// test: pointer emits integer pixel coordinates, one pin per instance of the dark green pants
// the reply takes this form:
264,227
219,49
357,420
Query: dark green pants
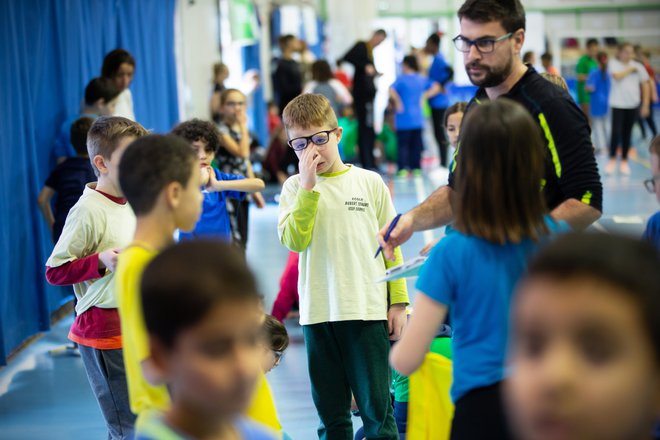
344,356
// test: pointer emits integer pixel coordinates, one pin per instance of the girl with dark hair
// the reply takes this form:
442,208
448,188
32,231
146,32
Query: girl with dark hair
119,66
500,219
324,83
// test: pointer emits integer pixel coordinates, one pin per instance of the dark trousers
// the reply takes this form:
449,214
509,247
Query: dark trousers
649,121
480,414
623,120
344,356
438,118
364,111
106,374
238,220
410,146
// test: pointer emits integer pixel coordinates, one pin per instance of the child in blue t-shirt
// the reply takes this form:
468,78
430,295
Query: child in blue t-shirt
598,86
652,231
204,138
500,219
408,92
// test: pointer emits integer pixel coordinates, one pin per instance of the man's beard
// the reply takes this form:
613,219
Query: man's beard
493,76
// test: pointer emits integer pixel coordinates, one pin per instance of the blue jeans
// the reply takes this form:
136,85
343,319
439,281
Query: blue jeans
106,375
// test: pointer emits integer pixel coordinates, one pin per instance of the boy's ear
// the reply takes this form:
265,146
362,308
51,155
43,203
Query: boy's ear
339,132
155,368
99,163
99,103
173,194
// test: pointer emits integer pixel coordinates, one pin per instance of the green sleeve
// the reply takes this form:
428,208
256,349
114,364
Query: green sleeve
297,215
398,289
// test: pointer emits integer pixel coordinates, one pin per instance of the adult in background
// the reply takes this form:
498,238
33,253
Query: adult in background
492,35
441,73
364,91
119,66
288,77
220,75
586,64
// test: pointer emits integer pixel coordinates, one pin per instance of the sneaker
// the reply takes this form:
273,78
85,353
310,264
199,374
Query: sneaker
417,172
610,167
624,168
402,173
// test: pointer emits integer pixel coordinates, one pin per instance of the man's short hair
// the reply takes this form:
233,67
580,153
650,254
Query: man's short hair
284,40
208,273
150,164
100,88
510,13
309,110
106,133
78,134
199,130
547,56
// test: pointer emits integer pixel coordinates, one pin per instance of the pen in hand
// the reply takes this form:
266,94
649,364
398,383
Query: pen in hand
387,234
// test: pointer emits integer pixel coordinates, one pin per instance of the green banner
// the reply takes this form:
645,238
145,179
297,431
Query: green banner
243,21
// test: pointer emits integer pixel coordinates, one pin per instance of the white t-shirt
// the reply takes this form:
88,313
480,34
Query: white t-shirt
625,93
337,270
94,224
124,105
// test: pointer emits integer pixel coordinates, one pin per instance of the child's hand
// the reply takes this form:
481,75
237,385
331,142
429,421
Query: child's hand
108,259
309,159
206,176
396,321
259,200
242,119
427,249
213,184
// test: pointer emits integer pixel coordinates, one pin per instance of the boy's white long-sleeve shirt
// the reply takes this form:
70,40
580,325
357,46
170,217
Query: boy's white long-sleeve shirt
334,228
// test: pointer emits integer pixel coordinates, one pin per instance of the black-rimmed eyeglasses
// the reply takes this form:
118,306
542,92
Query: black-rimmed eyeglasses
483,45
320,138
649,184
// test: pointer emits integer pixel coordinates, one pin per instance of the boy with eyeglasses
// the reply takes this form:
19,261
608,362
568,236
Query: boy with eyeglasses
652,232
330,214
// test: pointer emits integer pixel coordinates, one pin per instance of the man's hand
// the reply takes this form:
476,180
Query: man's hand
396,321
399,235
108,259
309,159
644,111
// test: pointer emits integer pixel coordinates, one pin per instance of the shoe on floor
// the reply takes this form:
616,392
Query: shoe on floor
417,172
624,168
610,167
402,173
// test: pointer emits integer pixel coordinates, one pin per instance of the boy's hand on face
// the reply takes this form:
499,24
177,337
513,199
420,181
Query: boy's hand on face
309,159
396,321
108,259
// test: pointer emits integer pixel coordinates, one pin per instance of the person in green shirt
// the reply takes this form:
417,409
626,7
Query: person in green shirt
586,64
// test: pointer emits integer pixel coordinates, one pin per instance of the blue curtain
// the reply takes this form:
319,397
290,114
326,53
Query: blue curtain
49,50
258,108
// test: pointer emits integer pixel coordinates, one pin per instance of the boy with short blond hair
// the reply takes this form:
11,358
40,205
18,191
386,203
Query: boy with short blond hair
98,226
330,213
